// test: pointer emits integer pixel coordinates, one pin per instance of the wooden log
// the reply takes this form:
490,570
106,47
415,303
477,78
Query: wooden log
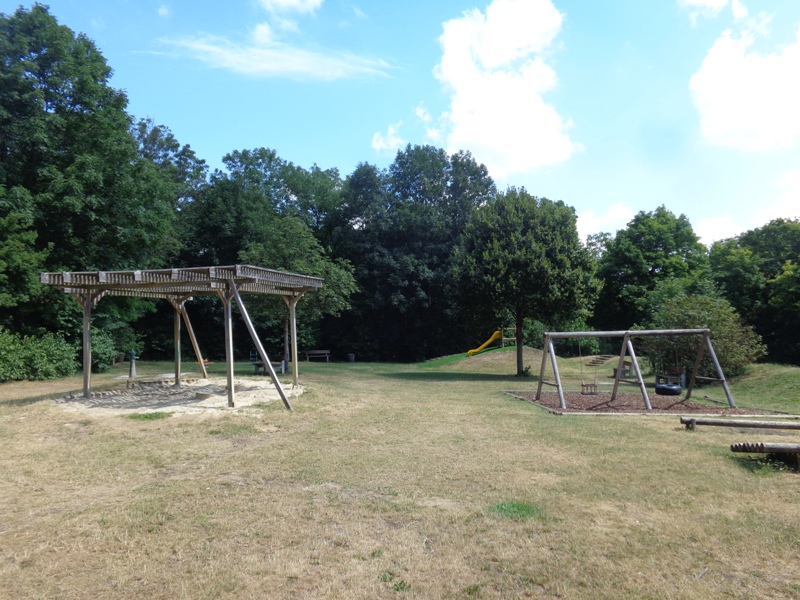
766,447
692,422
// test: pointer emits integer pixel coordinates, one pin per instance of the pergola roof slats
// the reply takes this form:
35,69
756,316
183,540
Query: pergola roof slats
158,283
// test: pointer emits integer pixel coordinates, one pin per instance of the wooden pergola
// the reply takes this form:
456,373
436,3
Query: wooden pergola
178,286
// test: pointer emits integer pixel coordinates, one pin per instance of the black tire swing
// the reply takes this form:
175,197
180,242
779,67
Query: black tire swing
669,388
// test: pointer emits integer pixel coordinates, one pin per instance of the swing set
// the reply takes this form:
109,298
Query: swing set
628,365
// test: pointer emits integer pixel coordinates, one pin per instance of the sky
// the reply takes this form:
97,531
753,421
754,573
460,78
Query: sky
614,107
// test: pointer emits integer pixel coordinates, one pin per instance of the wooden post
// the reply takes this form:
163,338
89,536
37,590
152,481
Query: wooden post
552,352
697,361
261,352
635,365
87,349
620,366
541,369
195,345
291,303
720,374
176,334
87,300
179,304
227,297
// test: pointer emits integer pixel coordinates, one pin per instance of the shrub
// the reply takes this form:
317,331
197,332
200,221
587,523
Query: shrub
104,351
49,357
45,357
735,344
11,362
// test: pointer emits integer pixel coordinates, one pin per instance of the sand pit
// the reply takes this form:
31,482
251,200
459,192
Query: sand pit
192,396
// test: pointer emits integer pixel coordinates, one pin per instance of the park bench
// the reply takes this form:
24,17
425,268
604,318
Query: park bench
258,364
693,422
626,371
326,354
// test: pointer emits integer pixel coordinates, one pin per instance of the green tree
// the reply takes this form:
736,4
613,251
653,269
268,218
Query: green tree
178,164
20,261
315,194
76,194
735,344
290,245
400,227
755,272
654,247
522,254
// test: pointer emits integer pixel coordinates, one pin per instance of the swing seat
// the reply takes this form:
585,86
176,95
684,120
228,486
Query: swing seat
668,389
589,389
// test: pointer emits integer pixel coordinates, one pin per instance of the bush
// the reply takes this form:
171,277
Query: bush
534,337
11,363
104,351
735,344
34,358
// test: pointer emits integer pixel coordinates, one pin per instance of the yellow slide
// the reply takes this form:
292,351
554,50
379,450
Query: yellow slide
497,335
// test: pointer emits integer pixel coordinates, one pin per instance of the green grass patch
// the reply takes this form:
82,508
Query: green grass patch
232,428
151,416
518,511
442,361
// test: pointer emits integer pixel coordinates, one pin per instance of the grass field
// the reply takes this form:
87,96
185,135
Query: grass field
393,481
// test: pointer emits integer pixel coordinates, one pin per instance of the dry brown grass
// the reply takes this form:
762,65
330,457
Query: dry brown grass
380,485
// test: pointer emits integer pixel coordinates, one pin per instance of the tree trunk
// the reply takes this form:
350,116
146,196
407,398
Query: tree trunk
520,342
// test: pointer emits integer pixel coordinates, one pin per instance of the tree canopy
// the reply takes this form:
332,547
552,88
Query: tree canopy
654,247
522,255
420,259
757,273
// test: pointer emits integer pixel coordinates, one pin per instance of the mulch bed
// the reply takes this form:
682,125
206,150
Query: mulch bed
631,403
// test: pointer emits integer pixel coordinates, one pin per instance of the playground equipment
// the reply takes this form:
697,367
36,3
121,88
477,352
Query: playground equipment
178,286
497,335
502,335
587,389
628,351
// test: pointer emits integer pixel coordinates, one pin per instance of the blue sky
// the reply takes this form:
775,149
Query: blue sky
613,107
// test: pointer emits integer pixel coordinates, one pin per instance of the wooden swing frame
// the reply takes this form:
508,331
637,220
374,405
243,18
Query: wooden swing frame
627,351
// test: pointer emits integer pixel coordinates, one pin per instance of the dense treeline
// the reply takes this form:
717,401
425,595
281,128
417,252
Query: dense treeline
421,259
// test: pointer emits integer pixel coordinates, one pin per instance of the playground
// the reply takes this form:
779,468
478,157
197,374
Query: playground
391,481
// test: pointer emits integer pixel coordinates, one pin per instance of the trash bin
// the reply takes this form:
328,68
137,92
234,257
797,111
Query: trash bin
351,358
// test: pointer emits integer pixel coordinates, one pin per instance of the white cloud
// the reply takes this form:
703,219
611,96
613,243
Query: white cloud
493,69
739,10
748,100
713,229
705,8
266,58
262,35
299,6
390,142
422,113
711,7
163,11
616,217
788,205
